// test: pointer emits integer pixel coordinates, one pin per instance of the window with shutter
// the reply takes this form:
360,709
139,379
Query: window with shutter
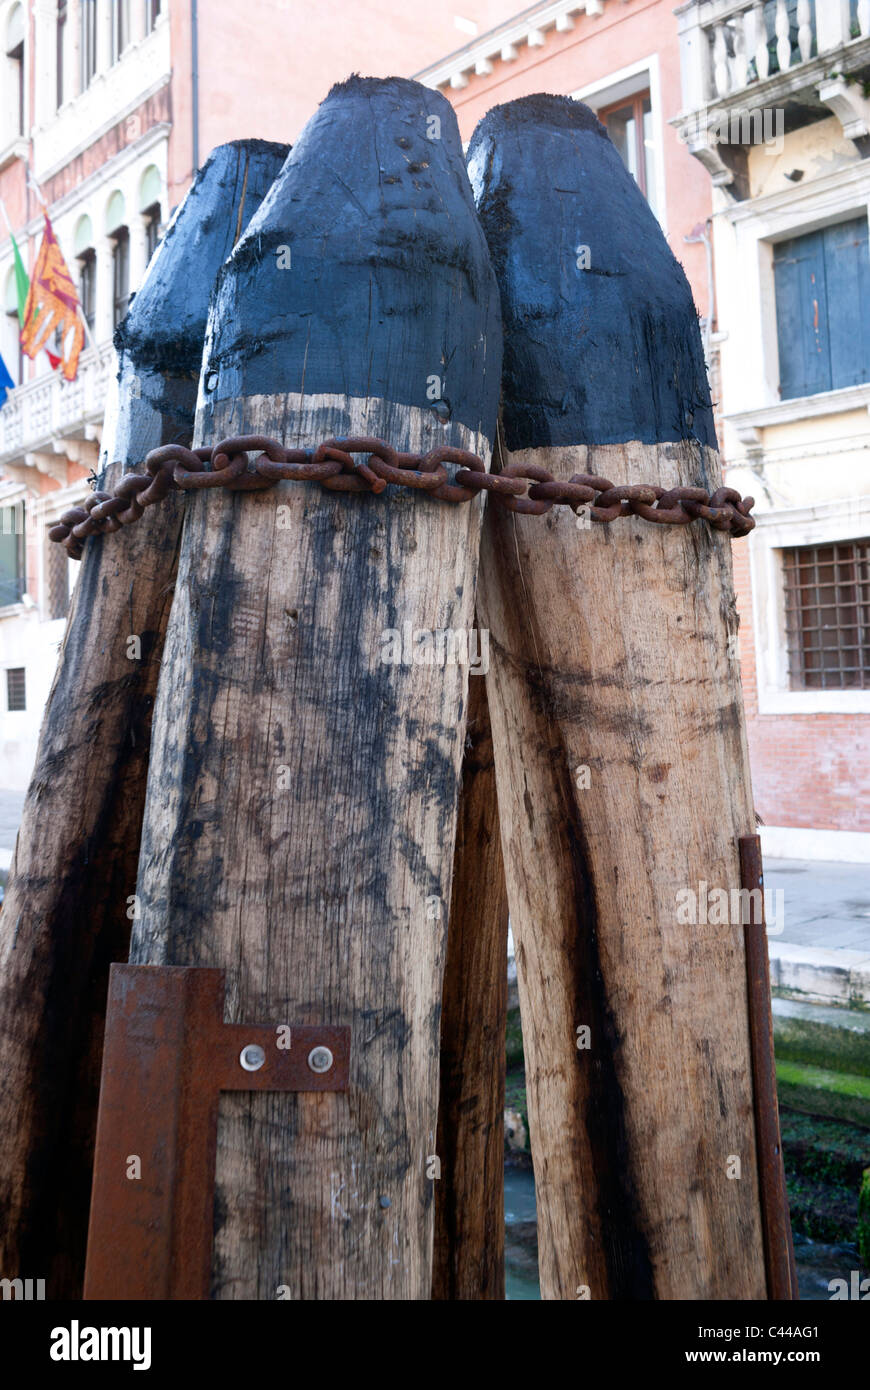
822,285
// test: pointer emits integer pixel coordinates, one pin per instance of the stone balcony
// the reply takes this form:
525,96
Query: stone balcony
49,420
755,69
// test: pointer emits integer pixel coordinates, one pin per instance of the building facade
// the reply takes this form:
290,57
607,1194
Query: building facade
774,108
84,126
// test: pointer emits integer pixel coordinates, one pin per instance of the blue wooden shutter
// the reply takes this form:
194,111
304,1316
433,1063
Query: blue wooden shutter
823,309
802,316
847,275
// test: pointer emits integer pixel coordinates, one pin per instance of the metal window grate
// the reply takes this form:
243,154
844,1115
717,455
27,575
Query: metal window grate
827,603
15,689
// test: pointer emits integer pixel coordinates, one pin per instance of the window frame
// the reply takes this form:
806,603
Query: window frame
87,262
809,611
151,217
120,255
17,506
87,42
17,56
16,709
831,317
749,360
121,29
820,523
636,101
61,27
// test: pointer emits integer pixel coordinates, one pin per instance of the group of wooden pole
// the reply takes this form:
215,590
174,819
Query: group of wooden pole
258,788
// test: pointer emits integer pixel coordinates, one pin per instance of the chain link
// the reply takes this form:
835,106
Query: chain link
334,464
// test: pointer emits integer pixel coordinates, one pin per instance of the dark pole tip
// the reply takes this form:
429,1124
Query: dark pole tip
165,325
539,109
366,273
602,344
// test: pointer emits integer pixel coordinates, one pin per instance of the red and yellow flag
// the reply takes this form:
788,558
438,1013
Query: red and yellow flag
52,303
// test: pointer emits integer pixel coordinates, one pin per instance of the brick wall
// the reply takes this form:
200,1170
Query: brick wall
808,770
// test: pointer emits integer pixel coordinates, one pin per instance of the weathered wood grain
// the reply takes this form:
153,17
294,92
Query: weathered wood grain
302,795
469,1195
623,670
65,916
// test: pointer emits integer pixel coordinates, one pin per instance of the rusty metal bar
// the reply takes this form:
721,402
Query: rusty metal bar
776,1224
167,1056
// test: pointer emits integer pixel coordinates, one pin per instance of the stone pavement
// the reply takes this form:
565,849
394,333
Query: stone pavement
822,953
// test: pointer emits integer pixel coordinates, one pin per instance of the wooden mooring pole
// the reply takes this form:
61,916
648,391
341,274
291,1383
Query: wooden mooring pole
67,911
619,738
301,805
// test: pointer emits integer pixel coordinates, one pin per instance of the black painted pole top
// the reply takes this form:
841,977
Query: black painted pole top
366,272
602,343
165,325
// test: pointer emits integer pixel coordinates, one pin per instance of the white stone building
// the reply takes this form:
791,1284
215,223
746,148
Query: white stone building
86,106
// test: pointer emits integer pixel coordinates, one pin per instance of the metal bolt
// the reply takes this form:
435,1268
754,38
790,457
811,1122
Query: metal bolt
320,1059
252,1057
384,1202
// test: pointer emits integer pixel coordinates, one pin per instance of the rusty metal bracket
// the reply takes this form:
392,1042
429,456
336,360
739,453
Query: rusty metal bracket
776,1224
167,1056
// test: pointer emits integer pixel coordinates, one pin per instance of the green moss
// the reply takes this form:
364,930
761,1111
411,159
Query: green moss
842,1095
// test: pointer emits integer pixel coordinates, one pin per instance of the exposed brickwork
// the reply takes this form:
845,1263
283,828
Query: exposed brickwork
809,770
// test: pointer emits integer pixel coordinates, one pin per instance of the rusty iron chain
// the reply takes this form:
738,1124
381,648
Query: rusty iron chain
520,487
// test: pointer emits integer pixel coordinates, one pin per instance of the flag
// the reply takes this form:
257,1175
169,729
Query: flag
22,281
6,382
52,303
